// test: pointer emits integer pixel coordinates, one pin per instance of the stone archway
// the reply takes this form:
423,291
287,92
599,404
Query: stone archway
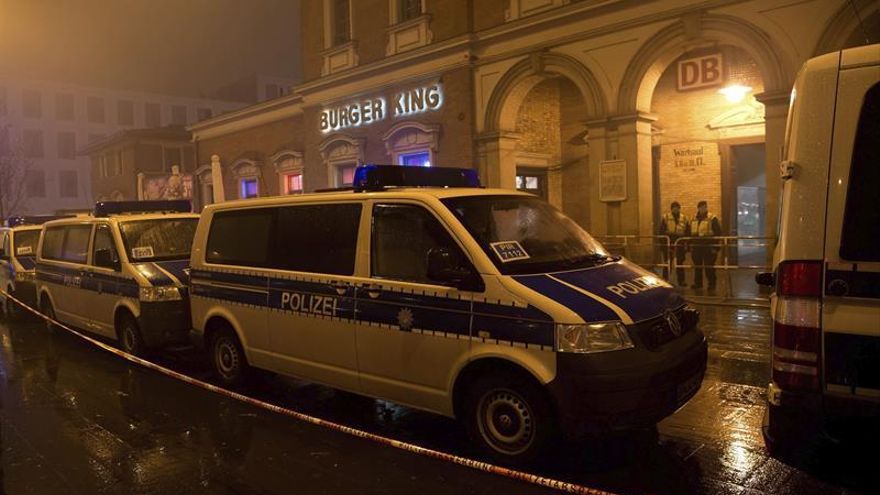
504,144
658,52
846,27
692,33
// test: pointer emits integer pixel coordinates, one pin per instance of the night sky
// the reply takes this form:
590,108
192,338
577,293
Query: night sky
182,47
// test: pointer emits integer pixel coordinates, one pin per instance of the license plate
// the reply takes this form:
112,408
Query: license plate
688,387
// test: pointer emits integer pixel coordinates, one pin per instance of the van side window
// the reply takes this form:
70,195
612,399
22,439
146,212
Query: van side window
4,243
104,243
317,238
53,241
861,218
240,237
402,237
76,243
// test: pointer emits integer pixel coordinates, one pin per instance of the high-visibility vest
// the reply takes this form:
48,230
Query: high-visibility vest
675,227
702,227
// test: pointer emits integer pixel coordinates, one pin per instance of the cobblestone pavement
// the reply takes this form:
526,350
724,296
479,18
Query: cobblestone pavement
75,419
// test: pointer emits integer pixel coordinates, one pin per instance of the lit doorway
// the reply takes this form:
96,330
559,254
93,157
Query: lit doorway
532,181
750,202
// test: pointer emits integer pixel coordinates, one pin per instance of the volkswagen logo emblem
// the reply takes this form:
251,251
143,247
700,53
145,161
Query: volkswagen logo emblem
673,323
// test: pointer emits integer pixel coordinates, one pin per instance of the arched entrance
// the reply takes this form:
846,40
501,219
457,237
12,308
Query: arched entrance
719,89
535,131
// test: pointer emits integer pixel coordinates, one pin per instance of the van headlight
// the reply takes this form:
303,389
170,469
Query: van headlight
25,276
159,294
592,337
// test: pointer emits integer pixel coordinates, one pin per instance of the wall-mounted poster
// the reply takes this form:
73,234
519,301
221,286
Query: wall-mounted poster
612,180
170,186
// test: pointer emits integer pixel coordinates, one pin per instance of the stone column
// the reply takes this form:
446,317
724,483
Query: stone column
625,138
217,179
498,159
140,186
775,116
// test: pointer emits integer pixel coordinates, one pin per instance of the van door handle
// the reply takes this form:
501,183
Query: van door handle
372,290
341,288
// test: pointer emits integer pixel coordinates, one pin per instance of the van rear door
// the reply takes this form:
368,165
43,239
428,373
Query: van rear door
851,301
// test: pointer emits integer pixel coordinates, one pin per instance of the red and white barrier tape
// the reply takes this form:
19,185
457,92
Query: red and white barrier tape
462,461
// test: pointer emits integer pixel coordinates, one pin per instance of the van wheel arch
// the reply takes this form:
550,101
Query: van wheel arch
482,367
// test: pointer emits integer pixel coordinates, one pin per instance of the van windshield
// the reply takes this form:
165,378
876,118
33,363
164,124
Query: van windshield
159,239
26,242
523,234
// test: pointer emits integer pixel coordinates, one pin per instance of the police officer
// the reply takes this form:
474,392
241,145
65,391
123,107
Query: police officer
675,225
704,227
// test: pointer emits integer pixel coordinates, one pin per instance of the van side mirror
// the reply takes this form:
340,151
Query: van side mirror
105,259
766,279
446,267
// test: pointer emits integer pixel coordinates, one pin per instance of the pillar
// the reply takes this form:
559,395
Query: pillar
217,179
497,158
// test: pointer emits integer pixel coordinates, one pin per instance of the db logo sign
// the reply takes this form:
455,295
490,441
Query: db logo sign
700,72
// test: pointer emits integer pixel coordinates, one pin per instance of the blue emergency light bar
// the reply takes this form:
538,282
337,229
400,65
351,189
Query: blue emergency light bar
33,219
379,177
106,208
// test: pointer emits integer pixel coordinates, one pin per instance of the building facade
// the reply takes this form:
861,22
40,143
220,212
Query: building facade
610,110
51,121
156,163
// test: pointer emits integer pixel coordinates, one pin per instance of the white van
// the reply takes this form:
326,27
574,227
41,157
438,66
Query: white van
826,304
483,304
18,251
120,273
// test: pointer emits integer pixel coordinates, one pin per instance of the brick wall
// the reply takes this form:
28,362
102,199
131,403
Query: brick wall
683,123
265,140
690,172
455,142
538,120
575,155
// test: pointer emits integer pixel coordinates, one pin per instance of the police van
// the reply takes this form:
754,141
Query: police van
422,288
18,250
826,301
120,273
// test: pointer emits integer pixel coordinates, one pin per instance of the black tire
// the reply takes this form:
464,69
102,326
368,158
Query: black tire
510,417
49,312
227,358
130,339
10,310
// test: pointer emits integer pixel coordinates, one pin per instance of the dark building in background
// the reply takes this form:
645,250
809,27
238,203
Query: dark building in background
156,163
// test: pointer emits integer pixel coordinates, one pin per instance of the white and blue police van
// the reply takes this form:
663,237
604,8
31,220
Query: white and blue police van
121,272
18,250
825,358
420,287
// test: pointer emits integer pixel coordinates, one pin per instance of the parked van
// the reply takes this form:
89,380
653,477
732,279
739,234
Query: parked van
18,250
487,305
826,304
120,273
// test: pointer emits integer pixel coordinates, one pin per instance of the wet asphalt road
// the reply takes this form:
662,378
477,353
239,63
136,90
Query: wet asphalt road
76,419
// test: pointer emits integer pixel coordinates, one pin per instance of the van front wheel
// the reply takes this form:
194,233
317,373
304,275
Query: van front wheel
130,337
228,359
510,417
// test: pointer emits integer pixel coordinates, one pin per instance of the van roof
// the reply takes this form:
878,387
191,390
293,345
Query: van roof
396,193
82,220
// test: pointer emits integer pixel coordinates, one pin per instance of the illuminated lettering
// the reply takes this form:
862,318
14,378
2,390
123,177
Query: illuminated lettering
353,114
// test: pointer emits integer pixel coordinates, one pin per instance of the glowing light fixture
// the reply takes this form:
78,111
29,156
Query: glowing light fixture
735,92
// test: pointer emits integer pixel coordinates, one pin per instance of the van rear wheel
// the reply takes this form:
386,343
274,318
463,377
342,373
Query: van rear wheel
10,308
228,358
510,417
49,312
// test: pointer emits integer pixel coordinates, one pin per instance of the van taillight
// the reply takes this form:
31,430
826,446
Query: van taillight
797,326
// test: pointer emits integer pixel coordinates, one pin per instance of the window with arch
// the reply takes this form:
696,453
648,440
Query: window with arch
342,154
412,144
289,166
